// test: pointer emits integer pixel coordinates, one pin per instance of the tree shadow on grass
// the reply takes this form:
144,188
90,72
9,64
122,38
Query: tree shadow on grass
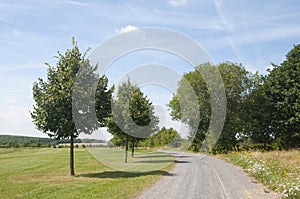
151,156
122,174
183,156
155,161
182,161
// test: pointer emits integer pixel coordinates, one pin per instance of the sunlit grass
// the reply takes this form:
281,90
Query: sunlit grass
279,170
143,160
44,173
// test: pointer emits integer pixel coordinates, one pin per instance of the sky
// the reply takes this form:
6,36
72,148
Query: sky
255,33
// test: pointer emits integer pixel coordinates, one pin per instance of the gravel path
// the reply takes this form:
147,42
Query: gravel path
199,176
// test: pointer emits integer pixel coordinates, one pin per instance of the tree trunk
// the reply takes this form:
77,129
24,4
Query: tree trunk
72,155
126,148
132,149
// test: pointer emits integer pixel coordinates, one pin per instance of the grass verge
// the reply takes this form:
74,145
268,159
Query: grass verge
44,173
278,170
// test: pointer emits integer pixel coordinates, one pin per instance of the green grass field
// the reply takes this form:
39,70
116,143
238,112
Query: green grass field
44,173
278,170
143,161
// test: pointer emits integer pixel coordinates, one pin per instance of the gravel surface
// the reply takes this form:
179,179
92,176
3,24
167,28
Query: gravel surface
200,176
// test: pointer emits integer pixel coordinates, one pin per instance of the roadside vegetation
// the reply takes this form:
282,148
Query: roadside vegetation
261,131
278,170
261,110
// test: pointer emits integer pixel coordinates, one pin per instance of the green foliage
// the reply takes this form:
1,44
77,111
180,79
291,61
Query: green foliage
132,110
53,111
165,137
256,109
132,117
196,81
262,111
24,141
238,84
162,138
282,89
103,100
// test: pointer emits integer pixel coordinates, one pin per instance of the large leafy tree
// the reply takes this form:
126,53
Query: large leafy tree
258,112
282,88
132,117
183,93
237,83
53,111
167,137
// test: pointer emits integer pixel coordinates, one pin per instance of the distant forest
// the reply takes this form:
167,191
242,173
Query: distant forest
24,141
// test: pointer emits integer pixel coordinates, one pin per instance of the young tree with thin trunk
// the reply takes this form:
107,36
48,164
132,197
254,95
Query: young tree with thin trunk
53,111
132,116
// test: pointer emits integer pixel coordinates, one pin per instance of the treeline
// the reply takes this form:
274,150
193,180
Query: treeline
24,141
262,111
164,137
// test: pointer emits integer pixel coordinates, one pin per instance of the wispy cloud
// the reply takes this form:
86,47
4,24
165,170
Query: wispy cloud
270,34
78,3
178,3
228,25
19,67
130,7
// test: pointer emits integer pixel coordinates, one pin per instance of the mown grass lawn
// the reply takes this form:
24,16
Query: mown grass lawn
143,161
278,170
44,173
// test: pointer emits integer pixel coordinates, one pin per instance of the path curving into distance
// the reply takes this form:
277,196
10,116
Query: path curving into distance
197,176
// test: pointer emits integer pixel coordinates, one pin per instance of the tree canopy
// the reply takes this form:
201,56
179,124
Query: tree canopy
132,116
52,112
282,89
238,83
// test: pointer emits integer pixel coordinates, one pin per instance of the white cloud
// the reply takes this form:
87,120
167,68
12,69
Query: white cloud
126,29
178,3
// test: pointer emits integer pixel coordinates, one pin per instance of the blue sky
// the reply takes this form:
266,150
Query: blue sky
254,33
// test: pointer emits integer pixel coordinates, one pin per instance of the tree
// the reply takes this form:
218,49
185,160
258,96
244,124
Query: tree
282,88
258,113
238,85
103,100
53,111
132,116
200,120
164,137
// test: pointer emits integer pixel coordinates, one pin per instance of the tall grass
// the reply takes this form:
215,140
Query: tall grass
278,170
